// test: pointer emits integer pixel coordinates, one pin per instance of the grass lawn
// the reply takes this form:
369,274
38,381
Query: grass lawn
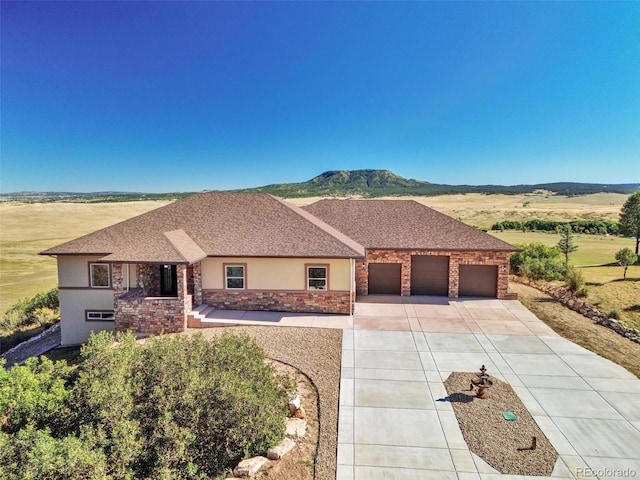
26,229
607,291
592,249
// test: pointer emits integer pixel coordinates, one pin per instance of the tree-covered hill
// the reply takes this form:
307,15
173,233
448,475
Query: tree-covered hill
378,183
343,183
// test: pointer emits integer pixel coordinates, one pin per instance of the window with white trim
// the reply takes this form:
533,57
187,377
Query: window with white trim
234,277
316,278
100,316
99,275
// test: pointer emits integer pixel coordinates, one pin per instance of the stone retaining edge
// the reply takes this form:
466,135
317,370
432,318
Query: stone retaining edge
570,300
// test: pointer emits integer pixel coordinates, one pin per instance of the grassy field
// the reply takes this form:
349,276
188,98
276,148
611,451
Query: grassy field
592,249
26,229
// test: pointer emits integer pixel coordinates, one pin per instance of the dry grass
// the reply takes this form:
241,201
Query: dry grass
27,229
608,291
579,329
484,210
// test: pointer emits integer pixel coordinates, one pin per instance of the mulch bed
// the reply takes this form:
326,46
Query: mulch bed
503,444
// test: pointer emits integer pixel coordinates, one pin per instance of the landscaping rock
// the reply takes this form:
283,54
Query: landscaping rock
294,404
280,450
249,467
299,413
296,427
568,298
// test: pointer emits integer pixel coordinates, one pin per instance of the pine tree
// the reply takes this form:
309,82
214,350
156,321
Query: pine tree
566,244
630,218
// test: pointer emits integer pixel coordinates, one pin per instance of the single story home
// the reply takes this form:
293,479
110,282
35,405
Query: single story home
248,251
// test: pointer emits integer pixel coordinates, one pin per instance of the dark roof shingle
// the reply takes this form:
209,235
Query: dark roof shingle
215,224
402,224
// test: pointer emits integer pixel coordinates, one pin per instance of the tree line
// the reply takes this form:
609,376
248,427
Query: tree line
594,227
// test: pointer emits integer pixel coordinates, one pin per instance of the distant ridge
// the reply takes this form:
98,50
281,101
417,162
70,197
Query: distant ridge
342,183
379,183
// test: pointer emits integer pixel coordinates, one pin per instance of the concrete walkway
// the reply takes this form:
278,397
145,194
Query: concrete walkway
392,426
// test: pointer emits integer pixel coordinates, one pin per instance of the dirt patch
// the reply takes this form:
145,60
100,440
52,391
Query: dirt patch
579,329
505,445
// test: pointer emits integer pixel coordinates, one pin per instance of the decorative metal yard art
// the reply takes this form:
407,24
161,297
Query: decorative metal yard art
483,383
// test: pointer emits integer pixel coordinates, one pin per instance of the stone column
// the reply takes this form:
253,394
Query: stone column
197,283
454,275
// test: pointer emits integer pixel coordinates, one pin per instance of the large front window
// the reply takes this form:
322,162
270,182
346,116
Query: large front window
316,278
234,276
99,275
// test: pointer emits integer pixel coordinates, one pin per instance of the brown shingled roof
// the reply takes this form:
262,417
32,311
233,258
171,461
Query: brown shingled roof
402,224
215,224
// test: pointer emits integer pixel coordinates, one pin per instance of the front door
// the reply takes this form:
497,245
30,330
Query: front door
168,281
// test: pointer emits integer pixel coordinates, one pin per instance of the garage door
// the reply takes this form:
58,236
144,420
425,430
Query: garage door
429,275
384,278
478,281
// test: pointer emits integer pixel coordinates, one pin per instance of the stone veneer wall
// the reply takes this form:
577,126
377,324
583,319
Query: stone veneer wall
148,279
152,315
279,301
456,258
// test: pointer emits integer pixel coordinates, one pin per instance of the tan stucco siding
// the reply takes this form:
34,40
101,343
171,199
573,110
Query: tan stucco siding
275,273
73,307
73,271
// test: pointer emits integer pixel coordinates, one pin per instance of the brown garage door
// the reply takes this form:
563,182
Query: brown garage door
384,278
429,275
478,281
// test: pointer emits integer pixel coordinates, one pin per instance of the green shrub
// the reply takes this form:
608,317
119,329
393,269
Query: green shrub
180,404
26,311
574,280
538,261
174,408
34,393
34,454
614,314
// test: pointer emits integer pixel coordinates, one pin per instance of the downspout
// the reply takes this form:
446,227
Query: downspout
128,277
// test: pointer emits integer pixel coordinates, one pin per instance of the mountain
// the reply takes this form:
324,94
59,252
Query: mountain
340,183
379,183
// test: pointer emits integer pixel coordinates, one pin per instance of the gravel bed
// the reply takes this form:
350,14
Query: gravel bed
317,353
505,445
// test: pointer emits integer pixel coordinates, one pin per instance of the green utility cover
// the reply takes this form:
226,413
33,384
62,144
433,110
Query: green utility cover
509,415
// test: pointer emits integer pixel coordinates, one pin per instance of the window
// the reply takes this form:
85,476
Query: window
234,277
99,275
316,278
100,316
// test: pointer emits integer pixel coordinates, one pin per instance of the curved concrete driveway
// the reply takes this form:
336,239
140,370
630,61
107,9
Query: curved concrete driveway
394,360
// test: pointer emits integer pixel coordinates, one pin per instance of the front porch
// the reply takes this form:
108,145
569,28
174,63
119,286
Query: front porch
154,298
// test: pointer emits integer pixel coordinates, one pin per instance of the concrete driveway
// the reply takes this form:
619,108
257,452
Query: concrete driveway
394,361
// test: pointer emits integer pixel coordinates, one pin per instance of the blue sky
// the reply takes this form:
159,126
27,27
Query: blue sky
186,96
